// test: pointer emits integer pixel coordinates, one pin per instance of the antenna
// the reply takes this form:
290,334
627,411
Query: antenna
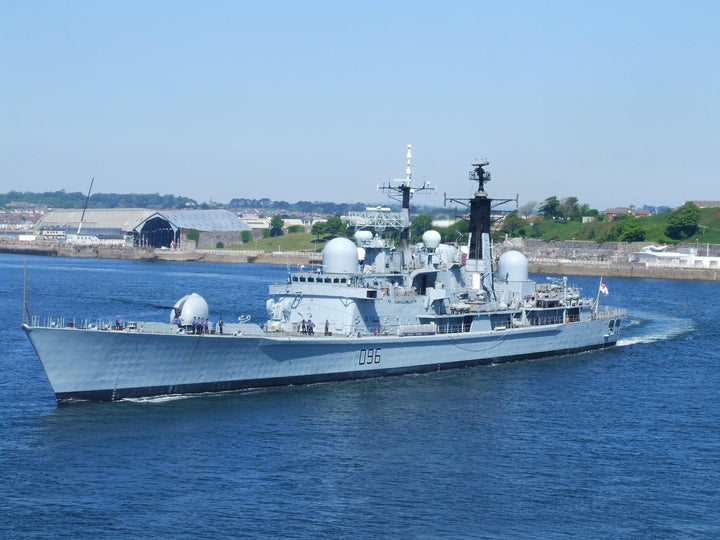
82,217
408,171
404,191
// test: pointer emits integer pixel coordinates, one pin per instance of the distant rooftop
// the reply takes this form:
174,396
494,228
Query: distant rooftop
123,219
706,204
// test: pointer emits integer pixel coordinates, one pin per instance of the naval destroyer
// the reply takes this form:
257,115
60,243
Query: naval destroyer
371,309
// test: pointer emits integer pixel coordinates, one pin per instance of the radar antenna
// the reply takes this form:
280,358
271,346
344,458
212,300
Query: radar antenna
480,175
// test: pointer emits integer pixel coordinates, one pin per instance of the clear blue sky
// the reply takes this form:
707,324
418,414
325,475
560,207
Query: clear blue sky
612,102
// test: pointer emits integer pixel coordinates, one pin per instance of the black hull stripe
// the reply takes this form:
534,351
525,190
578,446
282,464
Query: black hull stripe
226,386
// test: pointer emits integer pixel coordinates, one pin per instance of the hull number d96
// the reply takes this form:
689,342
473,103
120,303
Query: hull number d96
369,356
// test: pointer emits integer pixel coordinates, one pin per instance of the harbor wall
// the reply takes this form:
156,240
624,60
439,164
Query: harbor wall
610,259
631,270
55,249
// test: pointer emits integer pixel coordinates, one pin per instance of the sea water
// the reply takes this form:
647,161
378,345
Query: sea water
616,443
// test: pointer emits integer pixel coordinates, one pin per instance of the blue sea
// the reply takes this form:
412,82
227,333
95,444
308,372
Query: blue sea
621,443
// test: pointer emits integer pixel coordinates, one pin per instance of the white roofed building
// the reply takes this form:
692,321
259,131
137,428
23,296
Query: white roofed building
103,223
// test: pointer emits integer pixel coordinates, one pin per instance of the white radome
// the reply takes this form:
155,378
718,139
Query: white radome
190,307
340,256
513,266
431,239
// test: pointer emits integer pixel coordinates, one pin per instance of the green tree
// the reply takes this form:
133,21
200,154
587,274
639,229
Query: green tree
632,230
683,223
318,229
585,210
276,225
513,225
550,207
419,225
569,209
192,234
334,226
246,236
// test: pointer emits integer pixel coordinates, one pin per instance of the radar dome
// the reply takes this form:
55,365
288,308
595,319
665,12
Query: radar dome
340,256
362,236
190,307
431,239
513,266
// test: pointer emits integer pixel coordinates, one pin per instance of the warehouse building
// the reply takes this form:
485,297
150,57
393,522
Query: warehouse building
143,227
99,225
170,228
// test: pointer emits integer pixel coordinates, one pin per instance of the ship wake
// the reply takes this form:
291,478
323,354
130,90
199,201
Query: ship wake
653,327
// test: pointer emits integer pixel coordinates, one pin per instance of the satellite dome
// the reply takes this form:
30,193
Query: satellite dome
513,266
362,236
431,239
340,256
190,307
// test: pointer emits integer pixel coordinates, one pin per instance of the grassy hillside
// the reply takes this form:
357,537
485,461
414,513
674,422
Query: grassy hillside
286,242
598,231
611,231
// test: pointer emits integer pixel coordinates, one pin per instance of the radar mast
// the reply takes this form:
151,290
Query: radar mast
479,262
403,192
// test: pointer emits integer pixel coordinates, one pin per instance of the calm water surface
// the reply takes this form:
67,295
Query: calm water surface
618,443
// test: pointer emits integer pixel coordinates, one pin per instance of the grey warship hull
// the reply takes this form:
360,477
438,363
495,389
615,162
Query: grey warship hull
384,311
91,364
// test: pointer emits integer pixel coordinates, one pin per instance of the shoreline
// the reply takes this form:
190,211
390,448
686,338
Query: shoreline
608,260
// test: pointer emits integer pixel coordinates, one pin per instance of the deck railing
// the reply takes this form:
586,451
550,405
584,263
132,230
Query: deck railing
609,313
102,325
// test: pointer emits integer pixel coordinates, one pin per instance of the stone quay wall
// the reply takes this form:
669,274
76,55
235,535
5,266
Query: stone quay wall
563,258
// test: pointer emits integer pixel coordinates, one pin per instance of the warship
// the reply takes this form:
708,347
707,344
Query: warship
370,309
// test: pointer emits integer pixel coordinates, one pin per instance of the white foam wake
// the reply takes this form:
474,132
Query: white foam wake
650,328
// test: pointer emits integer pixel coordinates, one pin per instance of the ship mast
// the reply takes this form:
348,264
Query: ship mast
404,191
479,261
480,205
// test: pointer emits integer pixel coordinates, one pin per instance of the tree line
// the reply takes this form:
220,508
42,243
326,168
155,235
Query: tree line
563,220
306,207
76,199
